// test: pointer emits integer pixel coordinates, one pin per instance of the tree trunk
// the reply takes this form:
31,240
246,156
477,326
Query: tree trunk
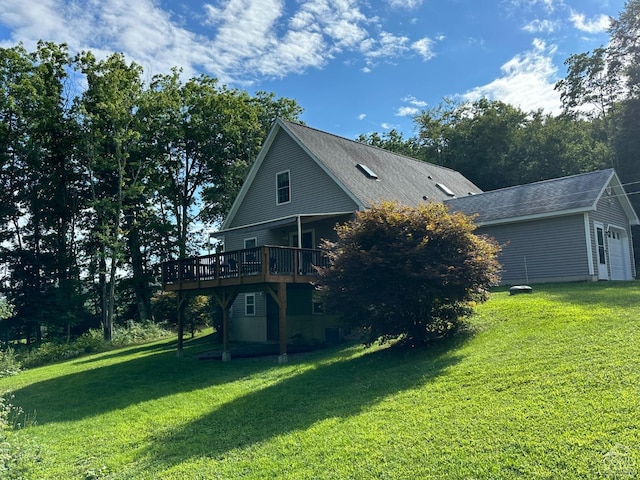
140,281
182,297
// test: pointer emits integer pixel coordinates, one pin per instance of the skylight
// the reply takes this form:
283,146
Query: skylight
367,171
445,189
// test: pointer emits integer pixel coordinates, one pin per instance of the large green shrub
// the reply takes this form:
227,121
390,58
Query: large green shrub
15,456
9,363
413,273
93,342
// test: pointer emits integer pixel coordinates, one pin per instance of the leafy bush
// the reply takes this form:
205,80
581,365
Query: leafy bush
413,273
9,364
137,333
15,456
49,352
93,342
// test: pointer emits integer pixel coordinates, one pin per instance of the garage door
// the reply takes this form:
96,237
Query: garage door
616,255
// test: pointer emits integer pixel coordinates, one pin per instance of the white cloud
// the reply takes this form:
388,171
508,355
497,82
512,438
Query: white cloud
547,5
237,40
598,24
424,47
407,111
391,46
387,45
527,81
362,116
538,26
408,4
410,99
144,32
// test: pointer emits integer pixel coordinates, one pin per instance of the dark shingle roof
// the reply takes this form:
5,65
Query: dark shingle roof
400,178
558,196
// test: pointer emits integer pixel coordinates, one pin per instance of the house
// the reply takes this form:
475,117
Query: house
565,229
305,181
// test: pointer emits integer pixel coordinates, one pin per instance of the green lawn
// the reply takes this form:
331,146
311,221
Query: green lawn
546,387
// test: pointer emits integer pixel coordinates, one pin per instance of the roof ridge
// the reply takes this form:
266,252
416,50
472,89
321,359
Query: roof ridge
549,180
364,145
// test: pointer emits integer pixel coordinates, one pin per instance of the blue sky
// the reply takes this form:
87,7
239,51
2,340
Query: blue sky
354,66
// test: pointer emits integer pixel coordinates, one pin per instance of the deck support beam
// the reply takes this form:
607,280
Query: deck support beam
280,297
225,299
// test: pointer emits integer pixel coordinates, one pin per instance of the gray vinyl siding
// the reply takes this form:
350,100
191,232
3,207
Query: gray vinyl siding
312,190
552,249
249,328
609,211
280,235
235,240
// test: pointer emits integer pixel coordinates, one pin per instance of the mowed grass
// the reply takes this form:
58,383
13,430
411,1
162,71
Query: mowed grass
546,387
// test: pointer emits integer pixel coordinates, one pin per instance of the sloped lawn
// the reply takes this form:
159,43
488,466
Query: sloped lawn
547,386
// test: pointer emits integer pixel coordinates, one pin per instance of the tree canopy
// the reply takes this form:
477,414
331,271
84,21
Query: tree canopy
102,182
407,272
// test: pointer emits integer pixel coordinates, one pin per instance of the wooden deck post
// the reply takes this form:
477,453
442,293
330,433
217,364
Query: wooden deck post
226,354
282,304
225,299
280,297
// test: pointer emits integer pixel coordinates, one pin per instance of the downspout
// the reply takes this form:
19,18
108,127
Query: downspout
299,231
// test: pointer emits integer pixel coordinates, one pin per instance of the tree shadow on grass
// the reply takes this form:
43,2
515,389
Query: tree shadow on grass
125,351
338,389
153,372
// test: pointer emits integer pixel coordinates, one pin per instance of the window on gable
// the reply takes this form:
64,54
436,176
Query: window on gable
250,304
283,188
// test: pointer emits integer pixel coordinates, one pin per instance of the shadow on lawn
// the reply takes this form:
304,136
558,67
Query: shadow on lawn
338,389
155,374
124,352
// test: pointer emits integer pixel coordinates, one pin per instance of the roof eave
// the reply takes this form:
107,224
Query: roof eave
537,216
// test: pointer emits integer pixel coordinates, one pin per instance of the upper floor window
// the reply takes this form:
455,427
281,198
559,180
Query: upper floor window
283,185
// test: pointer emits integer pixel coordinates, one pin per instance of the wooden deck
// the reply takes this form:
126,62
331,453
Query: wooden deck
268,264
224,275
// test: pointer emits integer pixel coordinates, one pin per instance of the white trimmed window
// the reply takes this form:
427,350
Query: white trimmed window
283,187
250,304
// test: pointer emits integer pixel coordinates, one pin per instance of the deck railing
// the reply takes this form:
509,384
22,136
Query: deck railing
266,261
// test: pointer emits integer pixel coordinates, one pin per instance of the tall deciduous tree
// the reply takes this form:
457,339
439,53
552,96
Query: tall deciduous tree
103,176
205,137
108,114
44,187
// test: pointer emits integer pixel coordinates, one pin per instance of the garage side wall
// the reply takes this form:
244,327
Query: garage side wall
545,250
